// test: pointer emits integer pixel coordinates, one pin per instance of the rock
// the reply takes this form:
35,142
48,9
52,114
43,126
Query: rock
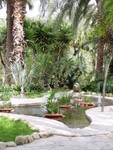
11,144
93,93
82,92
35,135
110,135
30,138
2,145
20,140
44,134
110,110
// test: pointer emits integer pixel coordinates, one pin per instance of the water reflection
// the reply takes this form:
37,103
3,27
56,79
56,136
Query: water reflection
75,118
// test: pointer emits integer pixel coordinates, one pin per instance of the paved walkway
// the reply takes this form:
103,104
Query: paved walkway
97,136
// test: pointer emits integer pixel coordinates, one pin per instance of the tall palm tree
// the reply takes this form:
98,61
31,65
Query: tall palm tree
15,35
9,42
17,55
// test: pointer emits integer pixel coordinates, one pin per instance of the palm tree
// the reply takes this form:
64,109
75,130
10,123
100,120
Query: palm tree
15,35
9,42
76,10
17,55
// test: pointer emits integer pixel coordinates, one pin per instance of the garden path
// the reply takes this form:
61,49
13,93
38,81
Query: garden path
97,136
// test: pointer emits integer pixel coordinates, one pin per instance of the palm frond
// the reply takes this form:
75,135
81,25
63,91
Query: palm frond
22,76
78,14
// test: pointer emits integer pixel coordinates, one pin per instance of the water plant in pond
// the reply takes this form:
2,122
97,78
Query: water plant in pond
52,105
64,100
52,108
5,97
88,99
87,102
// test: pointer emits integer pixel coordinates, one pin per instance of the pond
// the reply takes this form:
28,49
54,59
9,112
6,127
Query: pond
75,118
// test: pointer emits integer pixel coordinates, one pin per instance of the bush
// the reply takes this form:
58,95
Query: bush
97,86
64,100
17,87
88,99
51,105
5,93
35,87
4,88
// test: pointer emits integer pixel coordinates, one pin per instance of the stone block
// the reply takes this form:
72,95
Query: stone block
35,135
20,140
44,134
30,138
11,144
2,145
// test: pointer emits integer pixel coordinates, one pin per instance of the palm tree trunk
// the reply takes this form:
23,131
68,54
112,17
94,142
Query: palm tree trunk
18,32
100,56
9,42
107,64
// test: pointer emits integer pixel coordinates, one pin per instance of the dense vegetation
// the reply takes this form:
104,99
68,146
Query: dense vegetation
62,53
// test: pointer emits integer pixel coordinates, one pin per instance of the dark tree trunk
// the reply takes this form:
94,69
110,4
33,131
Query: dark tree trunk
9,42
100,56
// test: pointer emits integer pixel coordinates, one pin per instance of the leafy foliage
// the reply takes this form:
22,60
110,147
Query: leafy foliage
2,38
21,76
5,94
64,100
51,105
88,99
34,87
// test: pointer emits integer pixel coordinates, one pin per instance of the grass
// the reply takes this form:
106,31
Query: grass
35,94
9,129
60,90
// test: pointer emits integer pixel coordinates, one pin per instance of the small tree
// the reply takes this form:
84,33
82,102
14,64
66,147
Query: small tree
22,76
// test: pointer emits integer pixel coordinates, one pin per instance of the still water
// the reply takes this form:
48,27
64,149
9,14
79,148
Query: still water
75,118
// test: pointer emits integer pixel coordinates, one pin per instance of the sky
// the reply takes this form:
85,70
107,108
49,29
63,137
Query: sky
30,13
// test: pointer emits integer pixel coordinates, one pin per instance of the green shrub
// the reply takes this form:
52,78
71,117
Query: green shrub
88,99
35,87
5,93
51,105
97,86
94,86
17,87
64,100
